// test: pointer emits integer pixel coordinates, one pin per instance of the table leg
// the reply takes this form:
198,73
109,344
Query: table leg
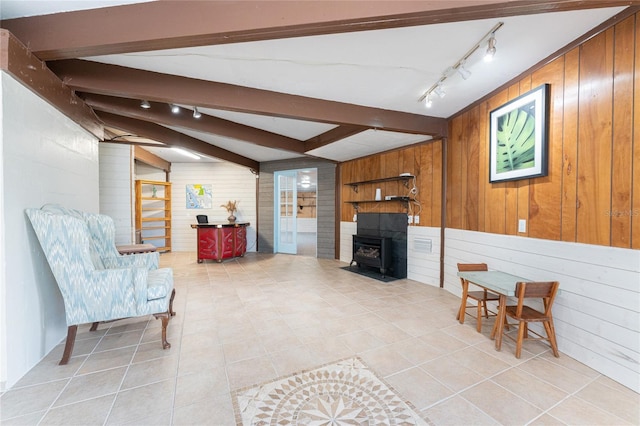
463,302
498,327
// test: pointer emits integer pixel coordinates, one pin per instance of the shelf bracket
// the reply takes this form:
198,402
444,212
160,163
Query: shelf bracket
355,207
355,188
406,183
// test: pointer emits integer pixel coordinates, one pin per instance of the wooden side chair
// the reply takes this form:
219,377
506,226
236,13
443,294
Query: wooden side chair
525,314
481,297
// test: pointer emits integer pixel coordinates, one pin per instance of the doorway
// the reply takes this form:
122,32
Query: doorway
295,212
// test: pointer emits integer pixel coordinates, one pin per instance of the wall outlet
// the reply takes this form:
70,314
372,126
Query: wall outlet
355,217
522,225
410,219
416,219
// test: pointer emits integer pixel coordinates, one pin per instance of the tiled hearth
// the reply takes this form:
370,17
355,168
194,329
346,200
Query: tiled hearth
254,319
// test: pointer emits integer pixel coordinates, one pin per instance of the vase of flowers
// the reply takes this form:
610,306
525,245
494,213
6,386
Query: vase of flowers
231,207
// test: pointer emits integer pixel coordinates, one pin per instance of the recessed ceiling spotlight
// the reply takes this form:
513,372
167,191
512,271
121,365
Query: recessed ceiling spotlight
174,108
464,73
196,113
145,104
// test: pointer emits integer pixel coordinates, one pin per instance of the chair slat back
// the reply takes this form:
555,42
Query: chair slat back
470,267
545,290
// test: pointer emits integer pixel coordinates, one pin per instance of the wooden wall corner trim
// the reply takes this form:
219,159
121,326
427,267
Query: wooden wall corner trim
18,61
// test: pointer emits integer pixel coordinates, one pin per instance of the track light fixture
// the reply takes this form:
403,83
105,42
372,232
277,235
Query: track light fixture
196,113
460,66
174,108
145,104
464,73
491,49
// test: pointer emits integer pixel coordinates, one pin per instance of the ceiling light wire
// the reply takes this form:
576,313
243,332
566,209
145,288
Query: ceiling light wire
459,66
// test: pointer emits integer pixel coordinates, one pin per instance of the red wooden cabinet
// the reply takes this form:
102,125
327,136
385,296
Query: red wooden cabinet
221,241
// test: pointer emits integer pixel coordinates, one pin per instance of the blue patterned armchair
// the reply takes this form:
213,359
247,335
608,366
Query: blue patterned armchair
92,292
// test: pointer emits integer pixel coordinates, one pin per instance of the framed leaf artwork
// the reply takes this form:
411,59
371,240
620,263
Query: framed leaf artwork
519,137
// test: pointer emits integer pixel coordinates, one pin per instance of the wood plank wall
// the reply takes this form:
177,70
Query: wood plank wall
592,192
424,161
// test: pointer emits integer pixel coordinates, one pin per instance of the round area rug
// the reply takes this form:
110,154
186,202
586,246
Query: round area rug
344,393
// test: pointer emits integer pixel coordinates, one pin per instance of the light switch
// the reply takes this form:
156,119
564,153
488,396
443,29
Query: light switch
522,225
416,219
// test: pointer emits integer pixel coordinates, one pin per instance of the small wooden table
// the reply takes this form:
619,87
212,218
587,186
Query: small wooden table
136,248
498,282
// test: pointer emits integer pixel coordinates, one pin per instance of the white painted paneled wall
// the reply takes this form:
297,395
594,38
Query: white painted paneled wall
229,182
46,158
347,230
596,313
117,189
423,254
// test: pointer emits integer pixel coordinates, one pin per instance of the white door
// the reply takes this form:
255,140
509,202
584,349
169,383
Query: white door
285,212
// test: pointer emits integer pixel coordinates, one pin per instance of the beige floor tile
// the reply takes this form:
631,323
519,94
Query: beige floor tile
502,405
87,412
476,360
386,361
27,400
155,370
192,388
577,411
457,411
216,410
624,404
120,340
139,403
387,333
250,372
108,359
451,374
561,377
361,341
537,392
192,361
443,342
419,387
238,350
293,360
546,420
48,370
154,350
32,419
92,385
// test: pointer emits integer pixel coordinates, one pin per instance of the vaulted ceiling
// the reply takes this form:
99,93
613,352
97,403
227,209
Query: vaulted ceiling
279,79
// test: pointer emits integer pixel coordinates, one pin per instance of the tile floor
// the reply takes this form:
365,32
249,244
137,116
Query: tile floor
250,320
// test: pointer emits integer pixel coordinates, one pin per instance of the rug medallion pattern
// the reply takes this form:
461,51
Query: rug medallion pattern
344,393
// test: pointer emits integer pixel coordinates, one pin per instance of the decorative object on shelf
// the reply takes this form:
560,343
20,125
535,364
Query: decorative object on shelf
519,137
378,194
231,208
154,191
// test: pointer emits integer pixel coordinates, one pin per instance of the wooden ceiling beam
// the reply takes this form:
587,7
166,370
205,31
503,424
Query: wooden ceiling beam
151,159
17,61
332,135
188,23
114,80
174,139
160,113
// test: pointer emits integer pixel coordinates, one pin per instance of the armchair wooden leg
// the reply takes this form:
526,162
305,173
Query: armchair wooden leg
173,295
165,321
94,326
68,346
